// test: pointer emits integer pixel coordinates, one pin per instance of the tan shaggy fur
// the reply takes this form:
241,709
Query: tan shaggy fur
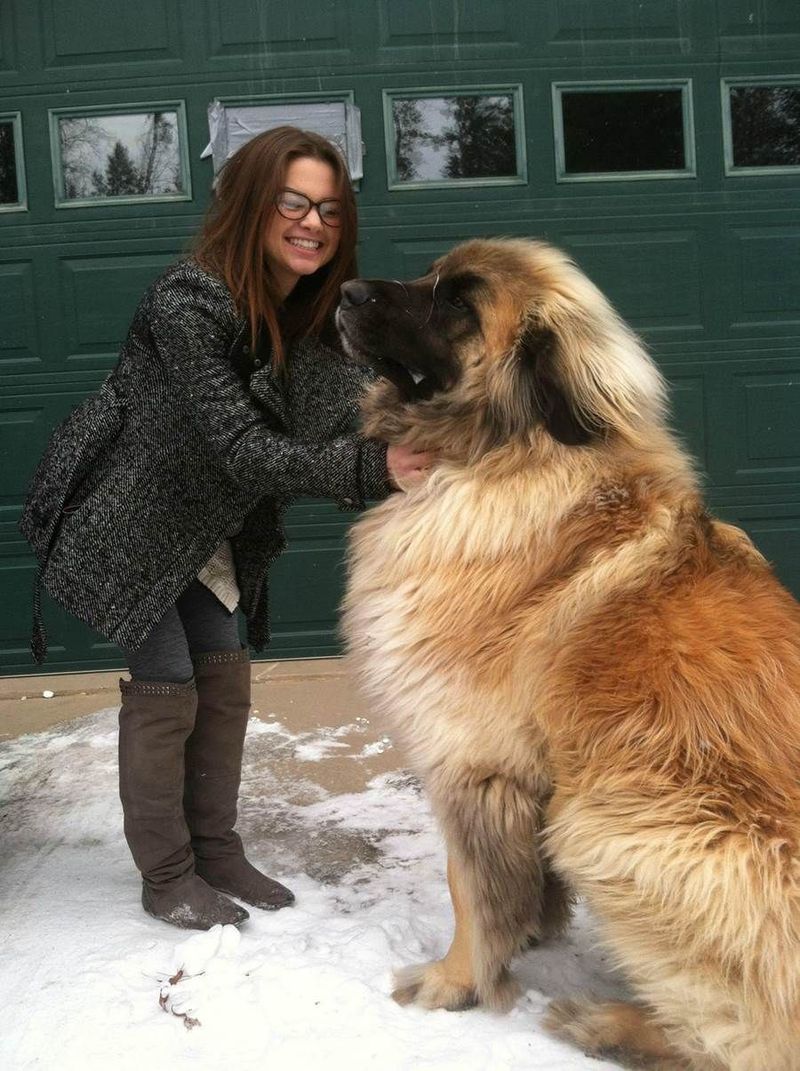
598,682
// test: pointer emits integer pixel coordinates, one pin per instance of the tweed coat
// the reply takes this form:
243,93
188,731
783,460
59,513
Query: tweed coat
190,439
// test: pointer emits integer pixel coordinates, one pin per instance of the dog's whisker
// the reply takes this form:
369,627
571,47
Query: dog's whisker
404,288
433,299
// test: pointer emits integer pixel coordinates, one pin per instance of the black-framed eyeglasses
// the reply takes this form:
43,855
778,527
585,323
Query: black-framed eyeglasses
294,205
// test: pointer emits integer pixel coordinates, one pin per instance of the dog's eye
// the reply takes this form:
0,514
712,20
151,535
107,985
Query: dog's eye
457,302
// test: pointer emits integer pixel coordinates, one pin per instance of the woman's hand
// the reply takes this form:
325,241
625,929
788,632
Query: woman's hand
406,466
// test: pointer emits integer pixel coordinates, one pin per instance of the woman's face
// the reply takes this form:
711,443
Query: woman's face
301,246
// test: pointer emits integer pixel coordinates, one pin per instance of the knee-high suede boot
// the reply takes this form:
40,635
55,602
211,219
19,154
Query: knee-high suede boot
213,774
155,720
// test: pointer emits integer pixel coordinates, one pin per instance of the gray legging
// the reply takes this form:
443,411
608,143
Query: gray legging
198,623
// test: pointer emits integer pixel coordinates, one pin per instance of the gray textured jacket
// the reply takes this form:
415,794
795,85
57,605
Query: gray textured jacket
187,441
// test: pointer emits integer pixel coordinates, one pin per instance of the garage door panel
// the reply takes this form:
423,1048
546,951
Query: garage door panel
24,428
413,258
652,277
18,571
308,574
299,31
26,423
19,339
765,279
9,59
768,27
774,527
99,32
575,27
316,518
689,418
410,255
778,539
771,405
740,422
409,252
99,296
306,584
438,26
753,407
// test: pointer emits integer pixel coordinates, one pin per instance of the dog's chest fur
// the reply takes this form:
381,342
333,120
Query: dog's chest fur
437,580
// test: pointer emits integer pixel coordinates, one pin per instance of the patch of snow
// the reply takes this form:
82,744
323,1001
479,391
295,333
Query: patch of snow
86,977
376,748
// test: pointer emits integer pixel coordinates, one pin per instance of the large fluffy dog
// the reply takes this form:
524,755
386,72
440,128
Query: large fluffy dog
599,683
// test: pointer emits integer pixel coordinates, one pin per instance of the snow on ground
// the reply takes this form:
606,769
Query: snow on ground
85,974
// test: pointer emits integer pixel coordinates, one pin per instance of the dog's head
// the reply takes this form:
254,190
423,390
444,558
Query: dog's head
508,336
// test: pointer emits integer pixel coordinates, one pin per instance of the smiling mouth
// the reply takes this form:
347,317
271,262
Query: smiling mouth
305,243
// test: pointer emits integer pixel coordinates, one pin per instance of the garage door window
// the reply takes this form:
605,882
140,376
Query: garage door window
454,137
12,175
762,127
120,155
631,131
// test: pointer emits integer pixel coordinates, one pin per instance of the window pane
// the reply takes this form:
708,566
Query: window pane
623,130
120,155
441,138
9,191
765,126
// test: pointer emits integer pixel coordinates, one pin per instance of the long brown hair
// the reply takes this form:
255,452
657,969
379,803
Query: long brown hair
231,241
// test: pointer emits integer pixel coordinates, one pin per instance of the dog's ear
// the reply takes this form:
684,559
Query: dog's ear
537,368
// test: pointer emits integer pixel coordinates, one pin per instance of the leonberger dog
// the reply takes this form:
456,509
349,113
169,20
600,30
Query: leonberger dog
597,681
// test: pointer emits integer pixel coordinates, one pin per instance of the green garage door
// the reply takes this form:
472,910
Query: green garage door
658,141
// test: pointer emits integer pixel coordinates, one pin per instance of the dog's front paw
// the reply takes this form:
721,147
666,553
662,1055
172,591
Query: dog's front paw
429,985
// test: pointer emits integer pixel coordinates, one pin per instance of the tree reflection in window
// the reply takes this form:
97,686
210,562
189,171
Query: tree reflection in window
120,155
450,138
624,130
765,126
9,187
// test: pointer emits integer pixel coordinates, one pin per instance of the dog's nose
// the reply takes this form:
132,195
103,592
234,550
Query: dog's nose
356,292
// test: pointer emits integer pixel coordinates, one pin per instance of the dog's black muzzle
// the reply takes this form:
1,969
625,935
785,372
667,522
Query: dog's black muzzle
357,292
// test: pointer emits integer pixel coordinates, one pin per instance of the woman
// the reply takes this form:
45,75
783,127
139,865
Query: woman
157,506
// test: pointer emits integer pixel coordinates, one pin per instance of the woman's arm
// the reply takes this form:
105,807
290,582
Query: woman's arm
192,324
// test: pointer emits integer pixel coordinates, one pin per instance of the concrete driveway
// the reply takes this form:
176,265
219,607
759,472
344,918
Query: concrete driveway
306,696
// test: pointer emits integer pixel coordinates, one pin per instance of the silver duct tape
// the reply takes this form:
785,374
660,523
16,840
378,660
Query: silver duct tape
230,126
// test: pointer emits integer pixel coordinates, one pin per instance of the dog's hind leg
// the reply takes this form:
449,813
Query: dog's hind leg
498,883
628,1033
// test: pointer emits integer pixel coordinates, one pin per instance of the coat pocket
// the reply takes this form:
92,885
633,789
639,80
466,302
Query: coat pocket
71,453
